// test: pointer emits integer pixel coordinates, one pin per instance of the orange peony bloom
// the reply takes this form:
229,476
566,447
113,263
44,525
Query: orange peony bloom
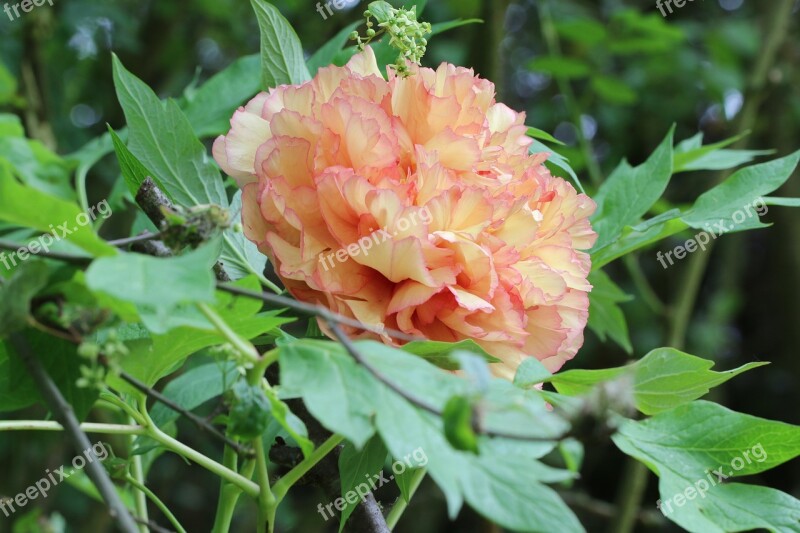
415,204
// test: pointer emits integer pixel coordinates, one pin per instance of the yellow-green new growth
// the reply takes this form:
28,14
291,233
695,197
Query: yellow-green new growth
406,33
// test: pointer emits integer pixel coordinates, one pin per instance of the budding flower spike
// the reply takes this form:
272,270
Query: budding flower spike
406,33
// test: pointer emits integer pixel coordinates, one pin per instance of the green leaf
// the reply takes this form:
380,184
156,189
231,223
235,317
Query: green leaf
691,155
663,379
161,137
240,257
326,55
457,417
738,193
193,388
36,166
561,67
10,125
557,160
572,452
133,171
441,353
8,86
210,108
503,482
536,133
530,372
629,192
51,215
666,378
335,389
441,27
695,447
151,358
62,363
282,60
403,481
634,238
292,424
606,318
157,283
356,467
786,202
613,90
382,11
582,30
16,295
250,411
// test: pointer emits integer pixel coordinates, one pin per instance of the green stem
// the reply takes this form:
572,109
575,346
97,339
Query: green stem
228,495
267,500
139,479
87,427
147,493
401,505
293,476
246,349
247,486
130,411
255,375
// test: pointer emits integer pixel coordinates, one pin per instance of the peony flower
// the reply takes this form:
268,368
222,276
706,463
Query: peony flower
470,236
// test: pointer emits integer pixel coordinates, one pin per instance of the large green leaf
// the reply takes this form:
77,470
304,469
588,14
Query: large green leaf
195,387
663,379
504,482
335,389
356,468
605,316
697,446
62,218
629,192
161,137
738,195
210,108
157,284
62,363
692,155
133,171
154,356
441,353
282,60
36,166
327,53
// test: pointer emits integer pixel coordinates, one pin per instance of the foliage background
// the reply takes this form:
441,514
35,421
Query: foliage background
633,74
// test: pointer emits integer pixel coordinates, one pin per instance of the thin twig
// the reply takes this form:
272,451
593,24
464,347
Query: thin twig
12,246
314,310
64,413
148,236
198,421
